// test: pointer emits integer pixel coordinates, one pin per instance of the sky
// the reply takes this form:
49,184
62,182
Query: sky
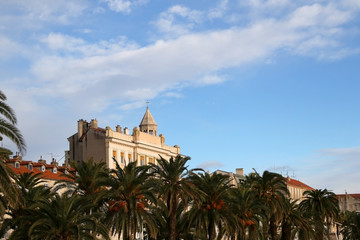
254,84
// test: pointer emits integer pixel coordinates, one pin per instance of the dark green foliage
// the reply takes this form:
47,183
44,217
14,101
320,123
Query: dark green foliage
351,226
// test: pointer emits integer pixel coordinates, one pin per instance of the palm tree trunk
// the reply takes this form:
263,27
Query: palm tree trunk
211,230
273,228
172,217
286,231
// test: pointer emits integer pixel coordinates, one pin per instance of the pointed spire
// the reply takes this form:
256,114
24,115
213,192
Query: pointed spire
148,123
148,118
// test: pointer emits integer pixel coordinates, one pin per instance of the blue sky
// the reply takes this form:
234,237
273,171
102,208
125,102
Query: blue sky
270,85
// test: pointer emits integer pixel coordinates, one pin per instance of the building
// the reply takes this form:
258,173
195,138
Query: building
297,188
143,146
235,178
349,202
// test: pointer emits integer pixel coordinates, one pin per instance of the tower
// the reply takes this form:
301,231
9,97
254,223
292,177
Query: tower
148,124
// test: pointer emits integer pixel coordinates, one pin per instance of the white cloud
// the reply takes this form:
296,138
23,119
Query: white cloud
32,14
77,68
170,23
123,6
342,152
219,11
8,47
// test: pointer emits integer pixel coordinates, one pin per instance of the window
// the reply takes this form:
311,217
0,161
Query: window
17,165
142,160
122,157
129,157
43,168
54,170
114,154
151,132
30,167
66,172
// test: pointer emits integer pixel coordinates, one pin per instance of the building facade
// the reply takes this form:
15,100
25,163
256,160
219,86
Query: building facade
349,202
143,146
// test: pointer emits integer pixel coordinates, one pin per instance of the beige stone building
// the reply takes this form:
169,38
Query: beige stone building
297,188
143,146
349,202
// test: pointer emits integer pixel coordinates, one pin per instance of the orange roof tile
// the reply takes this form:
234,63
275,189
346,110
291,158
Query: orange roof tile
297,183
47,174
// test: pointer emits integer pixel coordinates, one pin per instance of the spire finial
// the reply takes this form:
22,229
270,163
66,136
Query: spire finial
147,103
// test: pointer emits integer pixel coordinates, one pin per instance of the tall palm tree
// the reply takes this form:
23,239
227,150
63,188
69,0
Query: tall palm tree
271,187
7,124
322,207
350,228
211,212
130,201
8,194
174,187
66,218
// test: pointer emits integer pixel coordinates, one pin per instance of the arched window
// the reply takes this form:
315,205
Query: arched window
30,167
17,164
43,168
54,170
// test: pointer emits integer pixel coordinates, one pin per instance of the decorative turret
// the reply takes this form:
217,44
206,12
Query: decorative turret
148,124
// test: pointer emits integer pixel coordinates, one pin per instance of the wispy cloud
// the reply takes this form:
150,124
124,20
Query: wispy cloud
334,168
210,165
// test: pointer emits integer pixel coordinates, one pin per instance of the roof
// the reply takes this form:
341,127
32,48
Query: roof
147,119
46,174
354,195
297,183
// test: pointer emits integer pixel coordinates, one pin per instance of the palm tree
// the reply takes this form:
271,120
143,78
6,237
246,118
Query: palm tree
66,218
249,212
350,228
271,187
174,187
294,222
211,212
7,124
20,215
322,207
89,178
130,201
8,194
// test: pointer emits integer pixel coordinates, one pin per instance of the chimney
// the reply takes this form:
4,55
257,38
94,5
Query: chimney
80,128
118,129
94,123
53,162
240,171
41,160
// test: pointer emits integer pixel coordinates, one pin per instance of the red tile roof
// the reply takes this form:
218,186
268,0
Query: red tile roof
354,195
296,183
46,174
